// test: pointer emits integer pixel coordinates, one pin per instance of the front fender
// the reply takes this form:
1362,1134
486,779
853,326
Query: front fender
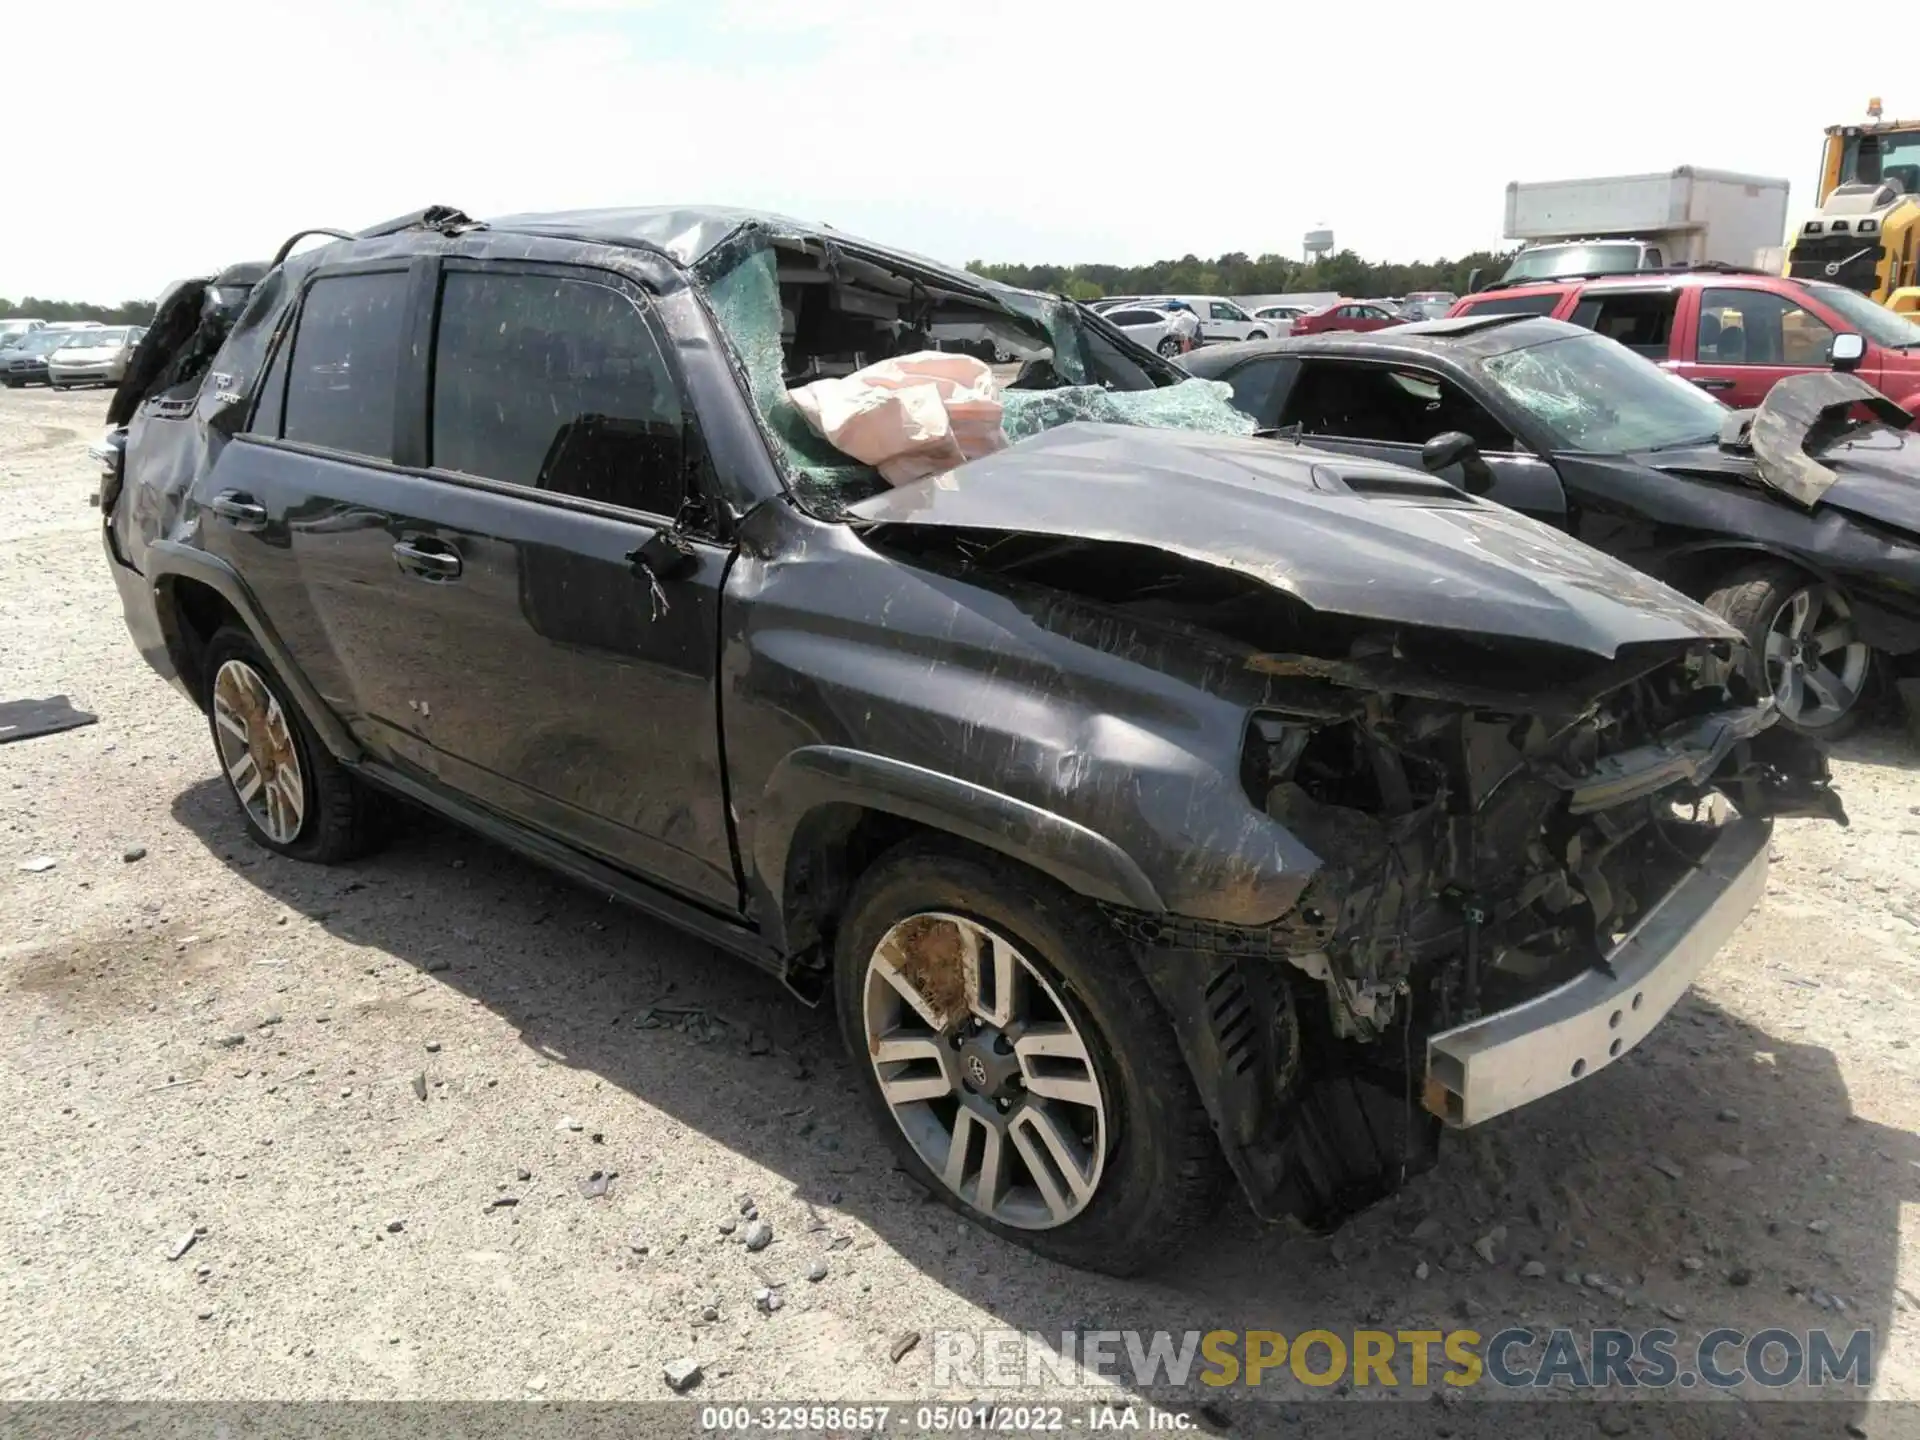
807,780
1880,625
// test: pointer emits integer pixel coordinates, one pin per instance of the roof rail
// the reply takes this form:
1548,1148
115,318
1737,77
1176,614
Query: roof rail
1711,267
433,217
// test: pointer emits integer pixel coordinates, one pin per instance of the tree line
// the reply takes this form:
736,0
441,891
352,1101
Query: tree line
1236,273
127,312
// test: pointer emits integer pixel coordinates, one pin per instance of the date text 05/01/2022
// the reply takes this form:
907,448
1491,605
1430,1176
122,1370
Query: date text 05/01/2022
943,1419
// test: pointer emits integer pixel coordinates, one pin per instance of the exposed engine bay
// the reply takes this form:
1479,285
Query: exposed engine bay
1473,858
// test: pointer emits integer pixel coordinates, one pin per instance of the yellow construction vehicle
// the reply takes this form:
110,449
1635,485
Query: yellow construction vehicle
1866,235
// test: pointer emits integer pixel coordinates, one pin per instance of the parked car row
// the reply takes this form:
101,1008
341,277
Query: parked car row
1224,321
63,357
1151,800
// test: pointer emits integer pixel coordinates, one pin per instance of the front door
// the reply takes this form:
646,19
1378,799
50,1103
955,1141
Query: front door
1747,340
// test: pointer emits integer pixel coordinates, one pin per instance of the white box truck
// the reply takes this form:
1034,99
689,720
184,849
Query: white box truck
1616,223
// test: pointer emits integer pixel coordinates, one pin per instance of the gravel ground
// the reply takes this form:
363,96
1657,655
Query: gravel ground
211,1042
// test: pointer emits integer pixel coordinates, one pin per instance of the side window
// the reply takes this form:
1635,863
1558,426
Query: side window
1640,320
1391,404
1516,305
1759,327
1653,260
556,384
1254,384
346,356
1220,310
267,411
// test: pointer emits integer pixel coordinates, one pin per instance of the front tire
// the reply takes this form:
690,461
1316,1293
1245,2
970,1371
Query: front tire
1258,335
296,799
1169,347
1017,1063
1802,646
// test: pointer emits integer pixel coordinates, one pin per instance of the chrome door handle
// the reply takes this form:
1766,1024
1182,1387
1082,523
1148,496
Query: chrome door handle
437,564
243,510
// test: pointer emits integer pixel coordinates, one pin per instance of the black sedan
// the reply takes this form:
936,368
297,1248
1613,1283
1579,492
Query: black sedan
25,361
1799,522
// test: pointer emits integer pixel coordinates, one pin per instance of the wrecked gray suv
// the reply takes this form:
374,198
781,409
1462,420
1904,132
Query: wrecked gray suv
1150,801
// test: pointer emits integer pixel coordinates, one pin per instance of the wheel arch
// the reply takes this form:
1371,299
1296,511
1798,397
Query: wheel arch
1698,569
196,593
828,809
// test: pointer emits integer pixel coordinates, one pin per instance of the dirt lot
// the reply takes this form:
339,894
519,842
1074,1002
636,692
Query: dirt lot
212,1041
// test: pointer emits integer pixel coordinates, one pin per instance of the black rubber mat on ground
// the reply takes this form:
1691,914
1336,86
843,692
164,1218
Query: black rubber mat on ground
23,719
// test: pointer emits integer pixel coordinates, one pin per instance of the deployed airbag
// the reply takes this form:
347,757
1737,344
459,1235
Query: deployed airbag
910,416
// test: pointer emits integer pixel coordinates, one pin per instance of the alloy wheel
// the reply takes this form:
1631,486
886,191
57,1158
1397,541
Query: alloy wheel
257,751
985,1070
1816,661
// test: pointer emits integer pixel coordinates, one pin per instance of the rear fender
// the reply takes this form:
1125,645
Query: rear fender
168,561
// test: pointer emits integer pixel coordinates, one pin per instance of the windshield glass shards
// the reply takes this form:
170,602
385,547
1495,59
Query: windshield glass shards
798,312
1596,396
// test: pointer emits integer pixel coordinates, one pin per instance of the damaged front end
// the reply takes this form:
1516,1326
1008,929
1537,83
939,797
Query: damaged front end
1509,897
1508,794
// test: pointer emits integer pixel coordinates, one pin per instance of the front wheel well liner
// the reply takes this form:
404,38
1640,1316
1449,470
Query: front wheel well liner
1699,571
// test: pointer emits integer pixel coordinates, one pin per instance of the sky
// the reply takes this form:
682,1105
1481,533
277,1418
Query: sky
999,130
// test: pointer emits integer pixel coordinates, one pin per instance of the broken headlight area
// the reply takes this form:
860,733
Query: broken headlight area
1472,858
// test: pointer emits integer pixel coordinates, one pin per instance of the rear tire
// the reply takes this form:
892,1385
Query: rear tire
1801,646
296,799
1148,1169
1169,347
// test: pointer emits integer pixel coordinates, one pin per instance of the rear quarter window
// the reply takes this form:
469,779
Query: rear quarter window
344,362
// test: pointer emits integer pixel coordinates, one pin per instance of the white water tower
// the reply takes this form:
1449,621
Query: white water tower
1317,243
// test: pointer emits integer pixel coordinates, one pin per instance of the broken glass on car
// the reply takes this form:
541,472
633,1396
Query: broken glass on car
801,309
1596,397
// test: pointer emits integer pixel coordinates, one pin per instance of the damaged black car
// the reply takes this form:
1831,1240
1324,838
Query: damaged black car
1798,522
1152,803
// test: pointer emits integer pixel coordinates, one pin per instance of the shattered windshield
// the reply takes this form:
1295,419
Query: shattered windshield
1053,361
1594,395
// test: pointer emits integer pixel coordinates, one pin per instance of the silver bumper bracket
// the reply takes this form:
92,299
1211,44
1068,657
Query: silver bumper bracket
1499,1062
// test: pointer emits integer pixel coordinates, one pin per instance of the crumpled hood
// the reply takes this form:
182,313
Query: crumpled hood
1345,536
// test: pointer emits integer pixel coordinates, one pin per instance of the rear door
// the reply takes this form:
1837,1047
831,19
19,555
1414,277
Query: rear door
1643,320
484,593
1744,340
1388,411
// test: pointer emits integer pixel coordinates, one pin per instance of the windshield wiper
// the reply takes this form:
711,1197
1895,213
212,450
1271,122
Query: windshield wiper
1697,441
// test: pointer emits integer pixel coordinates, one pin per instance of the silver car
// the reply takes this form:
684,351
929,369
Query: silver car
94,357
